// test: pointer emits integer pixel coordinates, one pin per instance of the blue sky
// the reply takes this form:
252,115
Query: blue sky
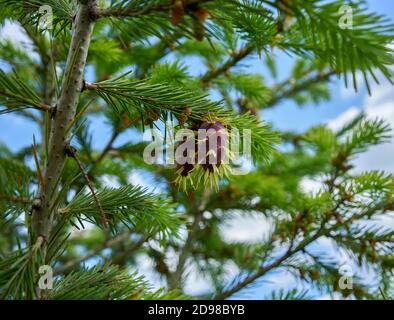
345,104
285,116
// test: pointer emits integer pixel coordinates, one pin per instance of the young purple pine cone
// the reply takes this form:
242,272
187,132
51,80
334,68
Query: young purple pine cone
215,151
185,163
186,169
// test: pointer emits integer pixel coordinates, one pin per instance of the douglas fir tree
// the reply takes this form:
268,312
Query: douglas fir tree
125,60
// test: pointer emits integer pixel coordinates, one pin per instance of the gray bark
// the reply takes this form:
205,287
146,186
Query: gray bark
42,218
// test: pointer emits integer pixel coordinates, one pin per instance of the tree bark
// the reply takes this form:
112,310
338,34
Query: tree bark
42,215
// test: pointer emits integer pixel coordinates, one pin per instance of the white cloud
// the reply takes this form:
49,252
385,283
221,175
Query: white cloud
310,185
12,31
146,268
250,228
333,296
196,284
379,105
343,118
110,181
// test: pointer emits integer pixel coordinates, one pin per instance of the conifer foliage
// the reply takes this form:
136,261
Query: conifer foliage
75,208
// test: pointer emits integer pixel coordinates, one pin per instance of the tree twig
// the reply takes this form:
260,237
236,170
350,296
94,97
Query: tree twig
133,12
232,61
176,277
72,152
319,233
294,89
15,199
91,253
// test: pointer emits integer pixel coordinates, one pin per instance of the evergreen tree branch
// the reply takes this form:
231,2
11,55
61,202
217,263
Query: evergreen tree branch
131,12
364,46
382,206
100,283
63,12
16,95
231,62
175,279
121,93
42,217
132,206
59,197
140,8
15,199
18,273
72,152
93,252
285,91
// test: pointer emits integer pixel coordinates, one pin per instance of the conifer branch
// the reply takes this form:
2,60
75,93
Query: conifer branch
139,9
322,231
130,12
132,206
42,218
16,95
235,58
14,199
91,253
72,152
289,89
175,278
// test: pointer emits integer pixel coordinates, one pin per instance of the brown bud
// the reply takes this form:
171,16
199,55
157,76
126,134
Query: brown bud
126,120
315,274
339,218
274,237
148,121
198,28
202,14
253,111
348,196
278,36
153,116
298,218
328,214
187,111
183,119
177,11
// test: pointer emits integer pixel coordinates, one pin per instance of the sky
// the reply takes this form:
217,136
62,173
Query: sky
344,105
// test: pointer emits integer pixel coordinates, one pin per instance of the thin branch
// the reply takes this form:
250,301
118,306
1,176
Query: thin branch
108,146
38,167
133,12
15,199
294,89
72,152
35,105
91,253
176,277
319,233
236,57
